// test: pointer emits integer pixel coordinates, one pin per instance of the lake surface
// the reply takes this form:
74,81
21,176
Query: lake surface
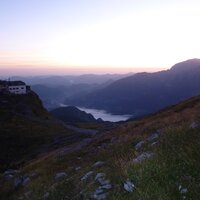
104,115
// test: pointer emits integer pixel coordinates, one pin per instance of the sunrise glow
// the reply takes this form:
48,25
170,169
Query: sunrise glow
104,36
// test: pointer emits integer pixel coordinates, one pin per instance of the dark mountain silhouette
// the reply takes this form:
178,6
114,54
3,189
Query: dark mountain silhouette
72,114
145,93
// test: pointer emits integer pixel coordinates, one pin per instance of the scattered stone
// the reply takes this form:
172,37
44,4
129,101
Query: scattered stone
46,195
193,125
144,156
18,181
100,175
129,186
87,175
98,164
60,175
34,174
9,177
28,193
10,172
26,180
99,195
184,190
154,143
153,137
77,168
139,145
106,186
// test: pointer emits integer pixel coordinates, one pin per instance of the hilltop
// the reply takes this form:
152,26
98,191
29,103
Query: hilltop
145,93
155,157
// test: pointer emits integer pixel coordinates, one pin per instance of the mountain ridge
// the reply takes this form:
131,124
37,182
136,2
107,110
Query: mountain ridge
144,93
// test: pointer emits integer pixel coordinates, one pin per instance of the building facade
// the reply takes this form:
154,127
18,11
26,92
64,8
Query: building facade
14,87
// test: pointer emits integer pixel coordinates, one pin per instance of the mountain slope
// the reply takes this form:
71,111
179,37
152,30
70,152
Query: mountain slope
145,93
155,157
27,129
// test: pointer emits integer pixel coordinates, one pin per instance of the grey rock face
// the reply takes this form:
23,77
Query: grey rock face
139,145
129,186
87,175
142,157
60,175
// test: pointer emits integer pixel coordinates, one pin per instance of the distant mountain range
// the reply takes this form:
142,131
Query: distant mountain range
145,93
70,79
53,90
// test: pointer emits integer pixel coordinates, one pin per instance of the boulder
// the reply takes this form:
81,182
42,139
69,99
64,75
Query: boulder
142,157
139,145
60,175
87,175
193,125
153,137
26,180
98,164
129,186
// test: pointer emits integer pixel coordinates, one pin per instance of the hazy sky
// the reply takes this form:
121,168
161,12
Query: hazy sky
84,36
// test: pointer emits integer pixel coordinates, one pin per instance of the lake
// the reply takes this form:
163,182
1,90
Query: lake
103,114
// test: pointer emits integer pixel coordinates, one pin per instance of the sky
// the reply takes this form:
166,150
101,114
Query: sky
96,36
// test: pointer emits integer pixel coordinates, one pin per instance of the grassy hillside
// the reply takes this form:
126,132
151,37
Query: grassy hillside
26,128
155,157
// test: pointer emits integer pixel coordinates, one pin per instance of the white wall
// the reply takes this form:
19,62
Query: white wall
19,89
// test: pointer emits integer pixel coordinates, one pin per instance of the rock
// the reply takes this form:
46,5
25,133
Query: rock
100,175
98,164
87,175
106,186
33,174
27,194
77,168
60,175
144,156
193,125
99,194
9,177
129,186
26,180
153,137
18,181
139,145
10,172
46,195
154,143
182,190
